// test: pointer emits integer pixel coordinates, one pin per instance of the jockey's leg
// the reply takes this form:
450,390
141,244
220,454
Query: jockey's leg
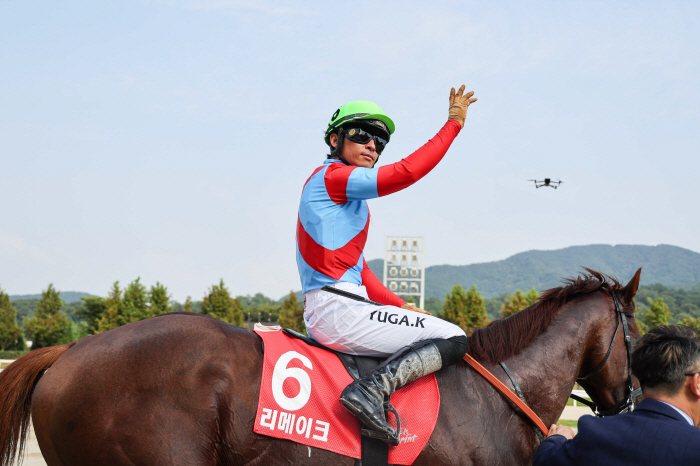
365,397
417,344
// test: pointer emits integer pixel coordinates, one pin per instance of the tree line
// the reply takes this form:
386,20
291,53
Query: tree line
655,305
49,321
469,310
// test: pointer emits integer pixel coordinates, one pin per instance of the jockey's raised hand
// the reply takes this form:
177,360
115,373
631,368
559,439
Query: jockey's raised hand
414,308
459,104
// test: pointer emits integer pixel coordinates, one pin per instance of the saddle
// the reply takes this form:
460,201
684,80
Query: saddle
357,366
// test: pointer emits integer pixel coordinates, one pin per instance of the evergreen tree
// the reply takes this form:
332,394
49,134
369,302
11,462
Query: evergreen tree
91,312
658,314
135,303
454,308
10,333
638,313
476,310
467,309
49,327
292,314
531,297
113,315
219,304
693,323
513,304
517,302
188,305
159,300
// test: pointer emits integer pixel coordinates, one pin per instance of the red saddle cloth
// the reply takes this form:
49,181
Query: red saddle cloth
299,394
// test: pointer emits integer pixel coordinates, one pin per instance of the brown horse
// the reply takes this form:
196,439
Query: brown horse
182,389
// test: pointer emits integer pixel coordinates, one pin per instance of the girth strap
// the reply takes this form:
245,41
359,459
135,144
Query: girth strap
538,432
500,386
513,381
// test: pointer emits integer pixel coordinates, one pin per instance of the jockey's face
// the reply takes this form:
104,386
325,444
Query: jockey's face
359,155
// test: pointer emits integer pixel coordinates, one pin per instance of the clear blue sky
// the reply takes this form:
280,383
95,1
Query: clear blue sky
170,139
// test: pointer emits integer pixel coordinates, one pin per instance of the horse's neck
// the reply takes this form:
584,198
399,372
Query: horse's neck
548,368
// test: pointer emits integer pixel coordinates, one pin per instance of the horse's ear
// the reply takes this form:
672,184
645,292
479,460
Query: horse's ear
631,288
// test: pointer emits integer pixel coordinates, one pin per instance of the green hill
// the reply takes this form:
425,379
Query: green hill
670,266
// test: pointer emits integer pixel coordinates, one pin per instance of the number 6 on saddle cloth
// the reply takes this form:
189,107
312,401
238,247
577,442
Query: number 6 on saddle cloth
300,387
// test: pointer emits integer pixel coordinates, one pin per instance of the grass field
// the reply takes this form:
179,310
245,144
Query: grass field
570,402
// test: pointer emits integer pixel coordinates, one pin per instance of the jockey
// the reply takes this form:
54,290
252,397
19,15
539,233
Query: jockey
337,284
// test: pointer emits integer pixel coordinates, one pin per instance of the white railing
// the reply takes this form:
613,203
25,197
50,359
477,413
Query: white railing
5,363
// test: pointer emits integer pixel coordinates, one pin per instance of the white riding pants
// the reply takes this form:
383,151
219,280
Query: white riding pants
354,327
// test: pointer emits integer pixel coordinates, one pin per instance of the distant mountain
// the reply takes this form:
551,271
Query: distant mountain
67,296
668,265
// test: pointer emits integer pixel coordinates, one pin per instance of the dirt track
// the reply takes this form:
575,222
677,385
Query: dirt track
32,454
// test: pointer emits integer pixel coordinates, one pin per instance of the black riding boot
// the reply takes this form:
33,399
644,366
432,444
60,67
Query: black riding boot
365,397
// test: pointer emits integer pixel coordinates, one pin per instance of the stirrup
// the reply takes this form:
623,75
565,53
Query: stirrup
390,439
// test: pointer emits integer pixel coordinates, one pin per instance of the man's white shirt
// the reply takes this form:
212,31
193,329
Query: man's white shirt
683,413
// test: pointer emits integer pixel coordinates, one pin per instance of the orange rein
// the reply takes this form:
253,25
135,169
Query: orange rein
500,386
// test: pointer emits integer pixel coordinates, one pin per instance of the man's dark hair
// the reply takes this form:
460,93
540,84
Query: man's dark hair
664,355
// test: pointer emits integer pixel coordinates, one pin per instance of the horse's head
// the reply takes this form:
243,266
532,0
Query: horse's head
606,374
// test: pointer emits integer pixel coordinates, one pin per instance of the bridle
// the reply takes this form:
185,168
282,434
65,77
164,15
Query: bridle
627,404
516,395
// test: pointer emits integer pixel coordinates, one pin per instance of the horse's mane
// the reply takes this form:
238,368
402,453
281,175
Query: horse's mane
505,338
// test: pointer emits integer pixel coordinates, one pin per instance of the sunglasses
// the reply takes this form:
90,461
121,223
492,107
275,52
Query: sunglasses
361,136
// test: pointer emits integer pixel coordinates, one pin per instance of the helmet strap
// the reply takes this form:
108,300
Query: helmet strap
338,150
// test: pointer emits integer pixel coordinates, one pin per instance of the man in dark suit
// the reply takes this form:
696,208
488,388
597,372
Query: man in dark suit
662,430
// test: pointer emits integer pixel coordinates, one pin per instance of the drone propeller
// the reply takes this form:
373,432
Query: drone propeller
547,182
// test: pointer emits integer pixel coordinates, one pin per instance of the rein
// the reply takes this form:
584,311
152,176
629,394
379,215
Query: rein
626,405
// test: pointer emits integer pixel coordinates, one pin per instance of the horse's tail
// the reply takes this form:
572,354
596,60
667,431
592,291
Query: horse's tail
17,384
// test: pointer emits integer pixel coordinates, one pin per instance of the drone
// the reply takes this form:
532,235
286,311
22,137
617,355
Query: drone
547,182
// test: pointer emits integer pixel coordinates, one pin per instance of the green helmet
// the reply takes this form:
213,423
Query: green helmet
368,112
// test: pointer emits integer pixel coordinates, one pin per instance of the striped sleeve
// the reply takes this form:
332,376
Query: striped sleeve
348,183
400,175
